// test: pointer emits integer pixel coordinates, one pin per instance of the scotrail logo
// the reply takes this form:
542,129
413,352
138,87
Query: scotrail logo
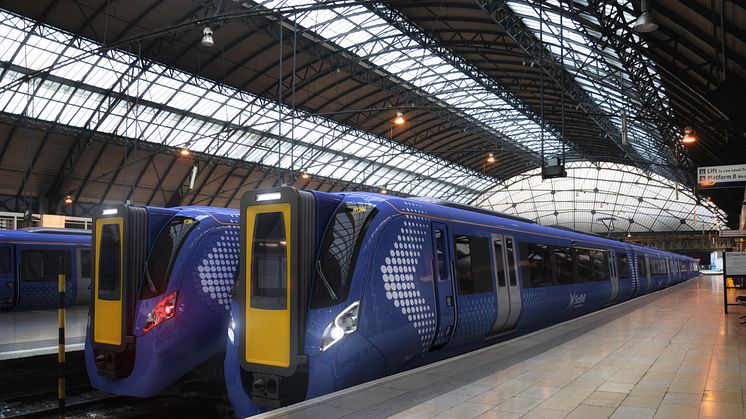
576,300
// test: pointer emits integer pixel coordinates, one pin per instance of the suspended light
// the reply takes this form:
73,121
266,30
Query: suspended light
490,158
689,136
305,174
68,199
383,191
207,39
399,120
184,152
645,22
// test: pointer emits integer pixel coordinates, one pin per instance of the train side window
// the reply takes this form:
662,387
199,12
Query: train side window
481,266
473,264
600,265
584,265
563,265
4,260
440,247
462,246
623,265
499,262
339,253
536,268
44,265
85,263
510,254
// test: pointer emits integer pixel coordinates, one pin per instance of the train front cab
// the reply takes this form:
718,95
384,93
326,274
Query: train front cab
120,242
277,252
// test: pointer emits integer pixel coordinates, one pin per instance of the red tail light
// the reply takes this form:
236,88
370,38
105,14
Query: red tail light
162,311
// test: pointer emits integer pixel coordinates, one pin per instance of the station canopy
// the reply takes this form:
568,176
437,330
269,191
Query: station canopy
311,89
604,198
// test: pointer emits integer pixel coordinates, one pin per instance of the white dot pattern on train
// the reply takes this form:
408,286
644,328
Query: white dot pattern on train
400,275
217,268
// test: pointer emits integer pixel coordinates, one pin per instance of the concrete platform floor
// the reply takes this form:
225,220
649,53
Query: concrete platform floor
34,332
672,354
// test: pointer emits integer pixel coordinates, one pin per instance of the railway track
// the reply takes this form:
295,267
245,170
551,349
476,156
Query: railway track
28,389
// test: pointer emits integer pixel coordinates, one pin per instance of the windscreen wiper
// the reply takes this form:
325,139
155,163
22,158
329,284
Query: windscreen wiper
326,283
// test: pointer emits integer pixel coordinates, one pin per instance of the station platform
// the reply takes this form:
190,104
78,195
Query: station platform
671,354
34,332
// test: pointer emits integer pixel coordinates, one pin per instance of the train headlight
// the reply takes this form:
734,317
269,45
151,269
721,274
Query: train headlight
344,324
231,328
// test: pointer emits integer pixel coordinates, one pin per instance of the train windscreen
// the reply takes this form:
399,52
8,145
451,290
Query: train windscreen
269,276
109,262
163,255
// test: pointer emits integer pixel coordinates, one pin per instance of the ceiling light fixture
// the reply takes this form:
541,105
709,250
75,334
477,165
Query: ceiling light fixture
383,191
305,174
184,152
645,22
207,39
490,158
68,199
399,120
689,136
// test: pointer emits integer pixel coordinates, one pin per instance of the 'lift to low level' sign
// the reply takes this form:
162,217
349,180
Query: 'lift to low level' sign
722,176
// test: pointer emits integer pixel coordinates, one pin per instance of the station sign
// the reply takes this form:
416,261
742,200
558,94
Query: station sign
732,233
734,263
721,176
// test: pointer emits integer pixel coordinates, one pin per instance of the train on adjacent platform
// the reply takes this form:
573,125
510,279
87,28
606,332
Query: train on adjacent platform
336,289
31,260
160,296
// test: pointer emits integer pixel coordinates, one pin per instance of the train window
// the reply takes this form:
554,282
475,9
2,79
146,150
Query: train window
339,253
473,264
510,254
4,260
584,265
45,265
600,265
499,261
440,247
623,265
109,262
85,263
269,276
163,255
481,267
563,265
536,268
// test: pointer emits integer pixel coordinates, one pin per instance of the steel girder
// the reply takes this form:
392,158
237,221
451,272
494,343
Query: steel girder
363,71
504,17
411,29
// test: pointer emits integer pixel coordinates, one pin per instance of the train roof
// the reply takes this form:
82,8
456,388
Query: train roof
446,209
44,235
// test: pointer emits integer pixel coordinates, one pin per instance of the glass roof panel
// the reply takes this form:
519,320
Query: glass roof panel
372,38
184,110
595,194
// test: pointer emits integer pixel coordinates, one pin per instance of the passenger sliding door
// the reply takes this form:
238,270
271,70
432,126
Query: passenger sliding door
614,277
8,283
508,293
444,289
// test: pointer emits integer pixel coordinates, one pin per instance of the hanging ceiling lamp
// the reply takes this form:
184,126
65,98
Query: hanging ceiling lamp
645,22
207,39
399,120
689,136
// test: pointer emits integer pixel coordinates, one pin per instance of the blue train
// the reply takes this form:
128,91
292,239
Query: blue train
160,296
338,289
31,260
